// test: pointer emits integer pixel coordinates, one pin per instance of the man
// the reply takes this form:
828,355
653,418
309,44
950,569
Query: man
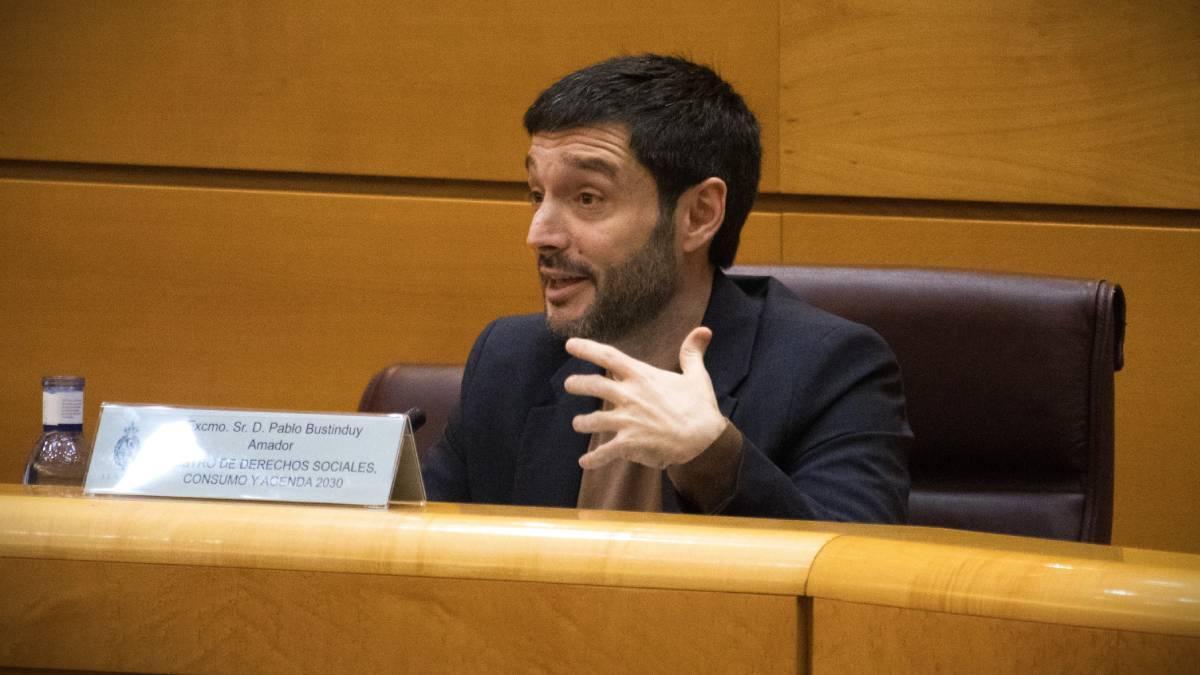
653,381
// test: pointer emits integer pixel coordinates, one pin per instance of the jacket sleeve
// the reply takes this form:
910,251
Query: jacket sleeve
843,453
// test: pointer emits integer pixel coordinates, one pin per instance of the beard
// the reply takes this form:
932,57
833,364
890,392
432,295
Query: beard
633,292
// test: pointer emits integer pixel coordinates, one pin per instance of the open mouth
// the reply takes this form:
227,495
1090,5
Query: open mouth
560,286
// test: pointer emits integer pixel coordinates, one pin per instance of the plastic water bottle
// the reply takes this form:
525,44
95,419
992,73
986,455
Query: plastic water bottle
60,456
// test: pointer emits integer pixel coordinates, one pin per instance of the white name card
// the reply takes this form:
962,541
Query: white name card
325,458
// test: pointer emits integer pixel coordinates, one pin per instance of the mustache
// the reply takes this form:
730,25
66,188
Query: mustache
559,262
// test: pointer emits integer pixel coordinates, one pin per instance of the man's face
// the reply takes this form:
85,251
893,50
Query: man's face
606,253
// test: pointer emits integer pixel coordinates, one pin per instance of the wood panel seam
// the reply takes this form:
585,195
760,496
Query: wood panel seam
773,203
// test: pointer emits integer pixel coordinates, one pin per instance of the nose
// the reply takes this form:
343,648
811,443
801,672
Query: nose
547,231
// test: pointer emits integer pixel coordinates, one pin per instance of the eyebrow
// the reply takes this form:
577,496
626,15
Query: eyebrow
595,164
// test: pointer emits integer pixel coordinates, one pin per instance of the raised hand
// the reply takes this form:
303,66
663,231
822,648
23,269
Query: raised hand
656,417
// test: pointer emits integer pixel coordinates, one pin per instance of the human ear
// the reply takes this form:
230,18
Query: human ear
702,210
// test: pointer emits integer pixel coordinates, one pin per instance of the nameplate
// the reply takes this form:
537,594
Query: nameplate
324,458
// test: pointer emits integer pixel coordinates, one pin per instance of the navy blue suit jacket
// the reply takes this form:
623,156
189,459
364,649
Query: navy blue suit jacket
817,398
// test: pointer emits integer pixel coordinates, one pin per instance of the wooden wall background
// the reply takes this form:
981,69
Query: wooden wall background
257,203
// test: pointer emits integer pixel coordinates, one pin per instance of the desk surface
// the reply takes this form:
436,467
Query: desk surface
905,567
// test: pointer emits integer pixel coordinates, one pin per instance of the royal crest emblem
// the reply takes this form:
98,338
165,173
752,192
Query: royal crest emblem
127,446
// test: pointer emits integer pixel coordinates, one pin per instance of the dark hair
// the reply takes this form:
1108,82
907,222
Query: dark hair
685,124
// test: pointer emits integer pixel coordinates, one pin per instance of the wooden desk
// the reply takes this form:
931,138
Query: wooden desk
176,585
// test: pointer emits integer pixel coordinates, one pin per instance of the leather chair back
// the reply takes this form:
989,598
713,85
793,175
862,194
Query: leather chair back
1008,378
1009,385
401,386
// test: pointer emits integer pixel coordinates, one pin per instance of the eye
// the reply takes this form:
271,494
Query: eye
536,197
589,198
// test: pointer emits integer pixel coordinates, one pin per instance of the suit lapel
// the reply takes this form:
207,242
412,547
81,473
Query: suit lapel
547,472
733,317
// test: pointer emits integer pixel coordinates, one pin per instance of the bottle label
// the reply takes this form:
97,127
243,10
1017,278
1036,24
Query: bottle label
62,407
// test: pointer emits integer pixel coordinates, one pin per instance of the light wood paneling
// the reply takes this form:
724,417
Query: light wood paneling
856,638
240,298
247,298
761,239
159,618
1158,392
1059,101
424,88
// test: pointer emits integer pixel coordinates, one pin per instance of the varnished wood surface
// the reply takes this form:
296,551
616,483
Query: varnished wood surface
438,540
971,574
857,638
915,568
239,298
1058,101
113,616
1157,503
1053,102
421,88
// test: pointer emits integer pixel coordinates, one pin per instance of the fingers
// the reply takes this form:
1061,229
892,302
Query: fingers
653,416
597,386
691,352
598,457
601,420
610,358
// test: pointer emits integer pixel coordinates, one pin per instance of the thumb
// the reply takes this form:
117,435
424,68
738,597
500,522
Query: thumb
691,352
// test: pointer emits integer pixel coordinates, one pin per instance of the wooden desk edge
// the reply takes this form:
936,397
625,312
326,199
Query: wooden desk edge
435,540
1111,589
918,568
